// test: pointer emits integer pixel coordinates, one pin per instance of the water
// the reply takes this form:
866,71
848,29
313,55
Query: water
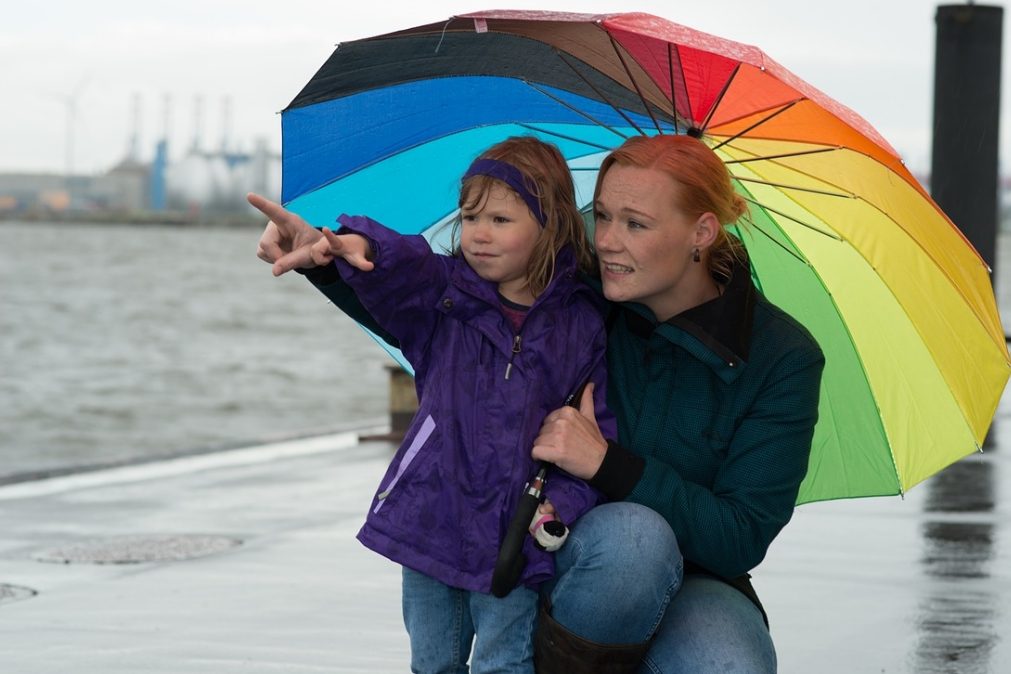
123,342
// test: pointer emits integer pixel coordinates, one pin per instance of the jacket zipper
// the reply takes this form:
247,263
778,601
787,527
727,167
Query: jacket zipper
517,342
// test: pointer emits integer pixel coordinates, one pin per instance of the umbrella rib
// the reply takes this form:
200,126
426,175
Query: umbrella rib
794,254
576,110
600,93
792,187
756,111
875,206
785,155
719,99
673,95
790,217
645,103
548,132
758,123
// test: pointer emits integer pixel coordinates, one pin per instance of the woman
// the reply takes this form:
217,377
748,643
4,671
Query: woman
716,394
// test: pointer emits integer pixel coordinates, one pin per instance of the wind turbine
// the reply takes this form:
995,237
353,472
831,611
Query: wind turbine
69,101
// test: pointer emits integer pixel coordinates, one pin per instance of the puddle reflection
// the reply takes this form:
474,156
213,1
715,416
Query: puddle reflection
957,615
965,487
956,633
957,549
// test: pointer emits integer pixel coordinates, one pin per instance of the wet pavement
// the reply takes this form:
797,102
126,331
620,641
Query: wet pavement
246,561
246,564
249,563
920,584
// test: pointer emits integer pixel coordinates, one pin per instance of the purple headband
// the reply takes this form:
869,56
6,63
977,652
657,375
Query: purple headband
511,176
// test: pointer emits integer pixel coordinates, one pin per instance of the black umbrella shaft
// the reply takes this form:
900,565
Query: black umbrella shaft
511,559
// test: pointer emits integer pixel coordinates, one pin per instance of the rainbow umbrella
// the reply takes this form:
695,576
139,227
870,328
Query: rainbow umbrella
840,234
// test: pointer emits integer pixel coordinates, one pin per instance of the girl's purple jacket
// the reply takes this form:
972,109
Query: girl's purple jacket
448,496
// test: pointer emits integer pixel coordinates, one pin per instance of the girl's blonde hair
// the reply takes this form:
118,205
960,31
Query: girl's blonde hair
702,186
547,178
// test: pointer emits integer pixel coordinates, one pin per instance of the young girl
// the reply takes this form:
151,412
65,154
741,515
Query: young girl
499,334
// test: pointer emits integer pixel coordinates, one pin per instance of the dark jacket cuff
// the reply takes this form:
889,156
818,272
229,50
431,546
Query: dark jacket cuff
619,472
321,276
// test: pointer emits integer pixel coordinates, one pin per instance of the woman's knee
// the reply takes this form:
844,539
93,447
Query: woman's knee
625,535
616,574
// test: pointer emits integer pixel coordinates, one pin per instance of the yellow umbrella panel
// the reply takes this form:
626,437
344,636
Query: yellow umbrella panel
902,306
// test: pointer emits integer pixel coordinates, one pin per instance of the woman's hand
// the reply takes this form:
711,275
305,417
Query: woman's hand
354,248
570,439
286,240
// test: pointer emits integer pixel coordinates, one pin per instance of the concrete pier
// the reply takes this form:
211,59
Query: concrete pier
920,584
299,594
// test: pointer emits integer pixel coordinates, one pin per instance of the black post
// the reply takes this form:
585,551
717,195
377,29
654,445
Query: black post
964,180
964,174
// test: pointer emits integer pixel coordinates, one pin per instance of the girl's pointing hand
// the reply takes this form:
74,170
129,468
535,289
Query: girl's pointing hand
354,248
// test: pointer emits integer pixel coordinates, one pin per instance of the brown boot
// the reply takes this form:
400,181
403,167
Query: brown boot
559,651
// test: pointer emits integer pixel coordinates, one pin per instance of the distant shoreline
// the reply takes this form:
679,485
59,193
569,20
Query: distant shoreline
136,218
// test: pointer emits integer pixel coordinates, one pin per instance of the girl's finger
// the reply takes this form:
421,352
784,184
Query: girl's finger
332,238
359,262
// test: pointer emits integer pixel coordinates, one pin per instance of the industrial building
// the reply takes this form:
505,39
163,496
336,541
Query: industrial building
201,185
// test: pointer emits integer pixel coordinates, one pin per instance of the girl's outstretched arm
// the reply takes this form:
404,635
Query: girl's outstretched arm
401,288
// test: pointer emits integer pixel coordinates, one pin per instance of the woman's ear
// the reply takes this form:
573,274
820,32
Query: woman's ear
706,229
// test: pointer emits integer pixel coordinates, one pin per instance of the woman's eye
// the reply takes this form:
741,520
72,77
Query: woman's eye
468,217
632,224
599,215
500,219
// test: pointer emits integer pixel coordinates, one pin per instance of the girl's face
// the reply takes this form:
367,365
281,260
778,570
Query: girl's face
644,241
497,238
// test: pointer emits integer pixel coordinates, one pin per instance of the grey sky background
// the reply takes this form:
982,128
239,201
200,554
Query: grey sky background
96,58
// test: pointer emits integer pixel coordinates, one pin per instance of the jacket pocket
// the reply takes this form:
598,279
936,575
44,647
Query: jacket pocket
427,427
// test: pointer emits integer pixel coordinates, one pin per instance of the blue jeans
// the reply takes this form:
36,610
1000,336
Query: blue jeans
619,580
442,623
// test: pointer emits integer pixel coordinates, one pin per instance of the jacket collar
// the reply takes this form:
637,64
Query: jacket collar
722,325
468,297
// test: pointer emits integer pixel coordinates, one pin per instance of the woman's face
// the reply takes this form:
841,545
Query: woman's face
644,241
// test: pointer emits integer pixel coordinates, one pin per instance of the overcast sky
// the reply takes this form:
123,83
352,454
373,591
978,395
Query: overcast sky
876,56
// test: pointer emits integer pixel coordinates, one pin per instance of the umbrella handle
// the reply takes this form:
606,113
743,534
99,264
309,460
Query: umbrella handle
511,560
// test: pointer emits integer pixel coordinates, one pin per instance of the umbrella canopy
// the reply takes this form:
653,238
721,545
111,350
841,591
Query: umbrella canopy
840,234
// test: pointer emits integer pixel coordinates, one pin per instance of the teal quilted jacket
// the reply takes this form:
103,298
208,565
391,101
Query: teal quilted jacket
716,410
